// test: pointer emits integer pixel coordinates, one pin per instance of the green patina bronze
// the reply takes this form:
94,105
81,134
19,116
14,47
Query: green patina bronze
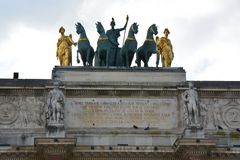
84,47
108,53
113,35
130,46
148,48
103,47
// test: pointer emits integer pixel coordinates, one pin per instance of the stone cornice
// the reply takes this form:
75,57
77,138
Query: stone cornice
118,69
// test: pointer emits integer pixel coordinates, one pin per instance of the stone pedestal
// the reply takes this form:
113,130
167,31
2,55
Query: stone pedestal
119,75
113,100
110,112
196,132
56,130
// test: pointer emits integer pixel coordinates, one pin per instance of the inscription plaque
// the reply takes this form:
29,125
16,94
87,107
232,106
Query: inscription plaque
117,112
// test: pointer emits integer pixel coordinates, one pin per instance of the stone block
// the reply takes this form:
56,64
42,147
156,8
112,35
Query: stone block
119,75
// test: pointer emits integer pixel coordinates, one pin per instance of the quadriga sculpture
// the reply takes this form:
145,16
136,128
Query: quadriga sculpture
148,48
84,47
130,46
103,46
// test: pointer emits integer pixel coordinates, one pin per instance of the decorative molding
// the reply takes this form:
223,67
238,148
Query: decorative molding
121,93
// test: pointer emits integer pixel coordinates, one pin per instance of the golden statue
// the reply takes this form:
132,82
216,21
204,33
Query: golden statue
164,48
64,48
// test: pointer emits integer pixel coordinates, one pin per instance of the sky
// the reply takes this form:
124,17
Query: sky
205,34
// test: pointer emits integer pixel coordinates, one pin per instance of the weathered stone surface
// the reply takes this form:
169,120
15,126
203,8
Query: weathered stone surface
146,139
119,75
135,109
122,112
22,112
221,113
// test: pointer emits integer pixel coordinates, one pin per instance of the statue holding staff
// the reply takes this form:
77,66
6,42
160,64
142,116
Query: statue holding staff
113,35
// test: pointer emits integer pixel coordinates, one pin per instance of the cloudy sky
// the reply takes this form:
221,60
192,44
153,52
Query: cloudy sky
205,34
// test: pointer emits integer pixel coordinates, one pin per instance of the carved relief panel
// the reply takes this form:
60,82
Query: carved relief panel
9,113
22,112
222,113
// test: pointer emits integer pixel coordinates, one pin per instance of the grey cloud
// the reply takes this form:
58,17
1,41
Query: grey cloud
205,30
189,36
37,12
40,14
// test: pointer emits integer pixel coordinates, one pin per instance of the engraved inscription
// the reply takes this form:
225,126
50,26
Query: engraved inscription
116,112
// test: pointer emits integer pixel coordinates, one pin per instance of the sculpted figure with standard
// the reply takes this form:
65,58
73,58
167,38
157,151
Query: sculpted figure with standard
113,35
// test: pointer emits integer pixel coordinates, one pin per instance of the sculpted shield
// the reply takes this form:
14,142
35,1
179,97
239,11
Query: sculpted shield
8,113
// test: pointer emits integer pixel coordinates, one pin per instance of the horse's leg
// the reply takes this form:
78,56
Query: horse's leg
107,56
83,58
146,59
88,57
127,54
145,63
131,55
99,58
122,53
104,61
138,59
91,56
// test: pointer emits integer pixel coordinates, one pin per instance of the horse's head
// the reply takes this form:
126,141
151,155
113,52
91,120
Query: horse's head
153,29
79,28
134,28
100,28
